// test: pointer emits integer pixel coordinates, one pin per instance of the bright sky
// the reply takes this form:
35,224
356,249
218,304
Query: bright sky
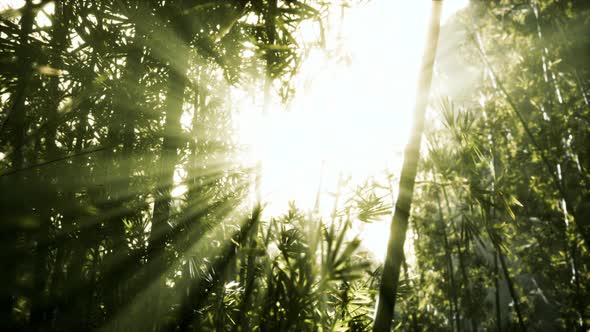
350,117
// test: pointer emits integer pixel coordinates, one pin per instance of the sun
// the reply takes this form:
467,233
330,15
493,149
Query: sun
351,117
352,113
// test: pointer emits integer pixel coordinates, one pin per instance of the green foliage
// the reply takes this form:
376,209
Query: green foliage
123,208
504,168
96,147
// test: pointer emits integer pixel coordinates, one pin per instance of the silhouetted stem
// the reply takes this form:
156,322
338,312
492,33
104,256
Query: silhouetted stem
497,294
511,289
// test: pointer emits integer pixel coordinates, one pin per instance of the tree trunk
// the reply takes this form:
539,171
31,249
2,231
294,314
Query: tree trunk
178,65
40,308
496,240
126,111
454,317
17,113
467,284
16,125
75,296
60,24
399,224
497,293
511,289
171,143
468,302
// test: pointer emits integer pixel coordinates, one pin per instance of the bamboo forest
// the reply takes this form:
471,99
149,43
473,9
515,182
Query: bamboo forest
294,165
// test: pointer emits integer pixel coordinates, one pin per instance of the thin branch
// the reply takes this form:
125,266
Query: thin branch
87,152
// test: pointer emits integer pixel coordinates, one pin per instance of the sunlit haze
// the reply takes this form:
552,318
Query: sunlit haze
352,112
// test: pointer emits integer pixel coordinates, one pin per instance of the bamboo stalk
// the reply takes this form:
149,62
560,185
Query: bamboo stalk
399,224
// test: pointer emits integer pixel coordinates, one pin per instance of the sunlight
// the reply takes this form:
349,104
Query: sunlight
41,19
11,4
352,114
235,165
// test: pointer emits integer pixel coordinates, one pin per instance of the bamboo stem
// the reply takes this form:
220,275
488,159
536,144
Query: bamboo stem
399,224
